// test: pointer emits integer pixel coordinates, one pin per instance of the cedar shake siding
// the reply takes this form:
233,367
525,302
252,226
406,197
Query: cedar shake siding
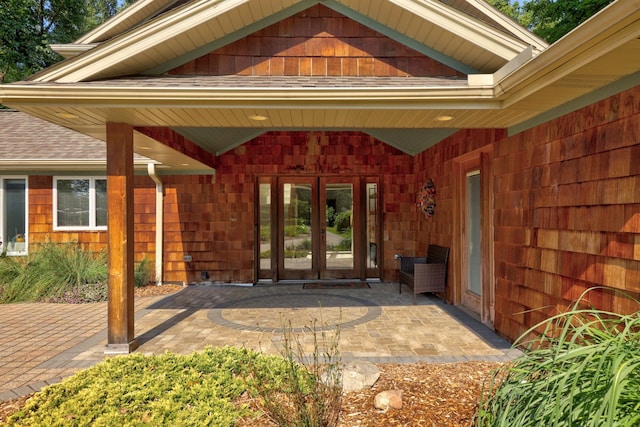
566,206
317,42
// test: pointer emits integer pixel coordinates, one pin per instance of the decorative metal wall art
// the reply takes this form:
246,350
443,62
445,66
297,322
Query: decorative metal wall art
427,198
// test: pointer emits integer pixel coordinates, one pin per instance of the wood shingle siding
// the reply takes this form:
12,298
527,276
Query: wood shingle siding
316,42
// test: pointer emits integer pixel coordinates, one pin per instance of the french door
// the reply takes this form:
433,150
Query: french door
317,228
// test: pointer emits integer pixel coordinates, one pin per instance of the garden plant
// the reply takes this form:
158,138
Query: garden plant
582,371
59,272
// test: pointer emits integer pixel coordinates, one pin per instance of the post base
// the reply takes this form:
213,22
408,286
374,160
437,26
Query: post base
121,348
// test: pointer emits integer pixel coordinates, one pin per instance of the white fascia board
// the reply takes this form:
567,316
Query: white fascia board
126,46
136,13
491,79
70,50
509,25
465,26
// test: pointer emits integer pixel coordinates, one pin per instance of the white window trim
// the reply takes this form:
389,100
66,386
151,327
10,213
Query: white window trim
92,204
5,239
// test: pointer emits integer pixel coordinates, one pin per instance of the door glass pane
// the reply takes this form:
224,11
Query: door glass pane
372,232
297,226
338,230
265,226
474,233
14,214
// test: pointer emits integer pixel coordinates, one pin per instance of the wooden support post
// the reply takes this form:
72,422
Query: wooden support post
120,322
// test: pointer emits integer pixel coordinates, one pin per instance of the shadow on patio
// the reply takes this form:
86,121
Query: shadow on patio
376,324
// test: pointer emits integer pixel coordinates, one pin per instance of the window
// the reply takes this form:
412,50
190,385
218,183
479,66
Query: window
13,215
80,203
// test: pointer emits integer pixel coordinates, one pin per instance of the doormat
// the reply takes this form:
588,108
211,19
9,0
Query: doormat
336,285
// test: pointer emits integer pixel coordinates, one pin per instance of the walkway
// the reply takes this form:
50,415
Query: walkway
42,343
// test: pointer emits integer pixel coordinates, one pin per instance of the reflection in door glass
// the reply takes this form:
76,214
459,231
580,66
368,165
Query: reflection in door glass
474,233
297,226
372,212
339,220
265,226
15,215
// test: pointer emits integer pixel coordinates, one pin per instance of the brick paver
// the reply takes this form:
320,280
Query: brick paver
42,343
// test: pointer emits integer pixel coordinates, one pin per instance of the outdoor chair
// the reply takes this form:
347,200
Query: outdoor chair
425,274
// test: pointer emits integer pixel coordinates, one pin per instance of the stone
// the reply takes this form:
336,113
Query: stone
359,375
388,399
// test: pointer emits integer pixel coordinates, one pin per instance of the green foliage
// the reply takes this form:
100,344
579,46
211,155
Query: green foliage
331,216
142,273
27,27
552,19
60,272
345,243
197,389
265,233
309,391
583,370
343,221
295,230
299,250
49,271
513,10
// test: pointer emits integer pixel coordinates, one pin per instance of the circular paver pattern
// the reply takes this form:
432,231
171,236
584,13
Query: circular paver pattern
295,312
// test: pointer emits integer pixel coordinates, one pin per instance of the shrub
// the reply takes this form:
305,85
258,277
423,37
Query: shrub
583,370
59,272
142,273
197,389
310,392
343,221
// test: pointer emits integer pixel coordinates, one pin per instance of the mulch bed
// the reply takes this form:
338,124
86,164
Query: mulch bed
442,395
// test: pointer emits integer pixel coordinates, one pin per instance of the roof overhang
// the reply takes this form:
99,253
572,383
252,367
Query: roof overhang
597,54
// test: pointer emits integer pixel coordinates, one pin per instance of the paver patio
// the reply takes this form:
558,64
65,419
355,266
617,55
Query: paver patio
42,343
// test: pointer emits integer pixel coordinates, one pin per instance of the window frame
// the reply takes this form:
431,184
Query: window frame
92,204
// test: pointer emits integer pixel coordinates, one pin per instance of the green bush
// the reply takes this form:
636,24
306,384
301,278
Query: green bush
198,389
583,370
59,272
295,230
343,221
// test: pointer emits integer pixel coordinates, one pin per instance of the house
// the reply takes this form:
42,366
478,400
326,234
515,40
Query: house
266,120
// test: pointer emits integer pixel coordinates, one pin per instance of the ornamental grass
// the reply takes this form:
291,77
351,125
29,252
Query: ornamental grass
582,371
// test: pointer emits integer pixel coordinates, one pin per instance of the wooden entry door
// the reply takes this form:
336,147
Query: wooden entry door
317,222
474,284
311,228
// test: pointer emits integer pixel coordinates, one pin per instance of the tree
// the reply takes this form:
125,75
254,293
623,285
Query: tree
28,27
552,19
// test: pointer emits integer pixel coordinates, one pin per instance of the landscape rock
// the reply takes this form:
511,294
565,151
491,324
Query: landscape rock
388,399
358,376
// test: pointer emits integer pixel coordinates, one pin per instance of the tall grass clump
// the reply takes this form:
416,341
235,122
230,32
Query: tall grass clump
50,270
310,391
60,272
582,371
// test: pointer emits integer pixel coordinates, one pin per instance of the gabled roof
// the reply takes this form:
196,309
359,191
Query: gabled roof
30,144
509,84
201,25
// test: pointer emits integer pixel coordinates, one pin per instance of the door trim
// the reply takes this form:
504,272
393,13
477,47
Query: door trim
478,159
361,247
